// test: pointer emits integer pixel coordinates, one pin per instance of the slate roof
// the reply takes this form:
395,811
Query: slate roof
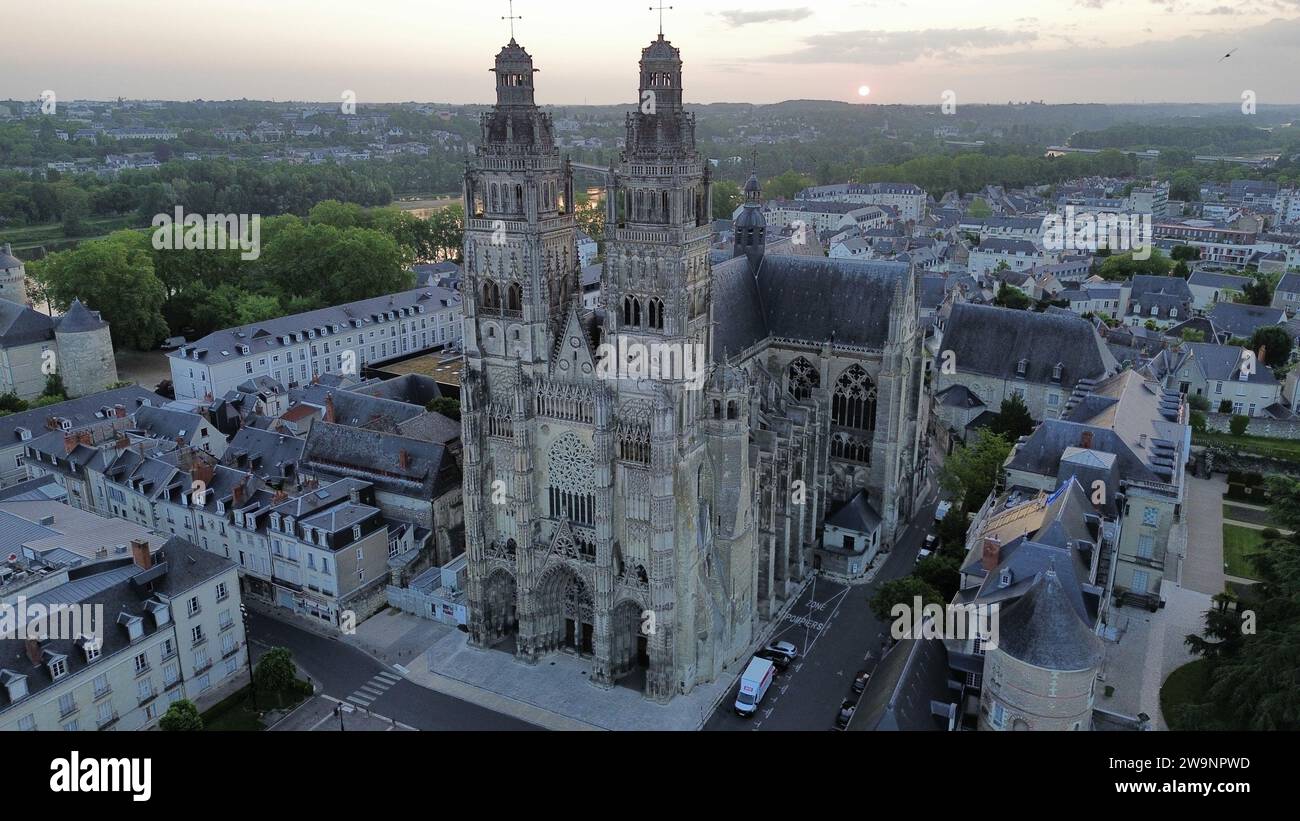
1241,320
908,691
1209,279
356,409
1289,283
20,325
992,341
161,423
805,298
856,514
79,318
270,454
223,345
1042,628
375,457
80,412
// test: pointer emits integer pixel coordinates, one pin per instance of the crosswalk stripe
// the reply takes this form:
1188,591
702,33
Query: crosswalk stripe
387,676
364,702
370,690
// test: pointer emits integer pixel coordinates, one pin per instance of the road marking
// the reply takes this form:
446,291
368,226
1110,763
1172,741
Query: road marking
364,702
387,676
368,690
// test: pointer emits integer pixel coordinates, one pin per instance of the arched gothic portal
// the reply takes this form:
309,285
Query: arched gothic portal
566,613
629,649
500,607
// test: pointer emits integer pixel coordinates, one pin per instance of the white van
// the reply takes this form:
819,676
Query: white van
753,686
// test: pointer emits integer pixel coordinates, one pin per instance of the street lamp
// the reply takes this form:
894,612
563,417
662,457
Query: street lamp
252,685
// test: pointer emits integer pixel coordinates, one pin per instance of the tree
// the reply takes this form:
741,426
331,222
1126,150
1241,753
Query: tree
971,470
1225,406
114,276
726,199
1198,402
274,672
951,530
446,406
1256,292
1009,296
1185,253
1185,186
1013,420
1124,266
1192,335
181,716
979,209
940,572
787,185
1238,424
54,386
11,403
1275,342
903,591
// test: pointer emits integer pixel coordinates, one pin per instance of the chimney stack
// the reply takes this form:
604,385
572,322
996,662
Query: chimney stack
33,648
1085,440
119,411
329,408
238,494
140,554
991,553
69,442
403,459
86,439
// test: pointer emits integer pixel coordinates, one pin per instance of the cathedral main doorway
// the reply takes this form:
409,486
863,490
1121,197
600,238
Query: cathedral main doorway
567,612
500,611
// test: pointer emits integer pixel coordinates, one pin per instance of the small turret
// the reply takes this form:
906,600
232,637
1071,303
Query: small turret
751,226
85,351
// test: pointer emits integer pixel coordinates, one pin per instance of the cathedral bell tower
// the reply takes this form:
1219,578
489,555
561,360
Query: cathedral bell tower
521,264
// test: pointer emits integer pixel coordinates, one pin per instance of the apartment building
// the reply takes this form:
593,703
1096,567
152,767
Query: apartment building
164,626
342,339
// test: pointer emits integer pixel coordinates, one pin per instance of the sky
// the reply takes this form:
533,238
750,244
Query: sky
757,51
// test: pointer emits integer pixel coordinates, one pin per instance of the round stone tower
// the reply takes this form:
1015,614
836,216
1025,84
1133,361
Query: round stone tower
85,351
13,277
1041,673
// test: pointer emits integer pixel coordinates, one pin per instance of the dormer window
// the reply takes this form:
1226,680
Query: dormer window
15,683
1022,367
356,532
134,625
58,667
1155,310
92,647
275,521
1004,579
1056,371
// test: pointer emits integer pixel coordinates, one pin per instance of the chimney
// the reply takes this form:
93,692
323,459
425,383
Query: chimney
238,494
140,554
991,553
1261,356
33,648
69,442
329,408
403,459
86,439
119,411
1085,440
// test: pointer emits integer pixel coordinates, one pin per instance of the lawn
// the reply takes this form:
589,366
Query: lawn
1288,449
235,713
1237,543
51,234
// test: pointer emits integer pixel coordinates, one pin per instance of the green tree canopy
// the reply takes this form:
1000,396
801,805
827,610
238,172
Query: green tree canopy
114,276
970,472
274,672
1013,420
181,716
903,591
1124,266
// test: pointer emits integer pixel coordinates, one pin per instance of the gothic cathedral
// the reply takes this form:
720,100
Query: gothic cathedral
652,525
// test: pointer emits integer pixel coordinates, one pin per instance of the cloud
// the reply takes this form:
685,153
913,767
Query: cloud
894,47
739,17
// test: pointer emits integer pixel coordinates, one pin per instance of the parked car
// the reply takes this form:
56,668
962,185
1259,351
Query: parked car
846,714
784,648
931,541
923,554
860,681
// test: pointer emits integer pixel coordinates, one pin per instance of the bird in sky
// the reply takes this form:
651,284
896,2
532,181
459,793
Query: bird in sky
1226,56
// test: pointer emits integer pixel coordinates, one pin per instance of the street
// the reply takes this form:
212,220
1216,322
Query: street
348,674
837,635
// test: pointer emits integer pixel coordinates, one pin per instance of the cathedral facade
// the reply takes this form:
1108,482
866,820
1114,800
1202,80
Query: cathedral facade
651,525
